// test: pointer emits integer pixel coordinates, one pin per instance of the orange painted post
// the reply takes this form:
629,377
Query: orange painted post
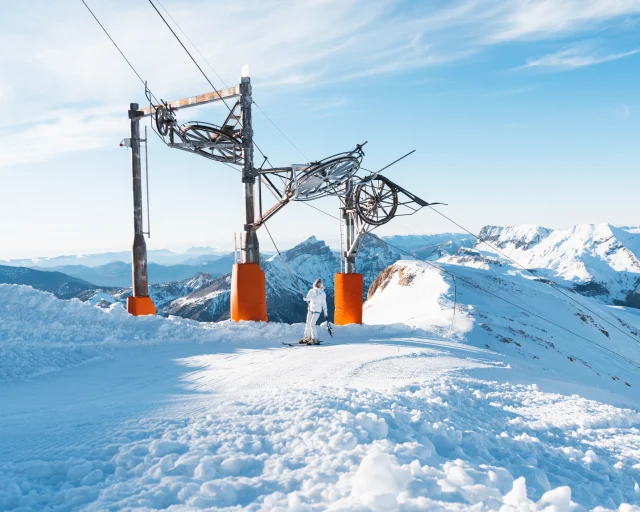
248,293
138,306
348,299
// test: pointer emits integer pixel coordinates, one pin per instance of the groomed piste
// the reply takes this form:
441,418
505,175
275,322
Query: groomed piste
104,411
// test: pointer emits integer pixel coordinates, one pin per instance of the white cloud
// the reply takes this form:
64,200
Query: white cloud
69,132
622,111
577,57
537,19
61,64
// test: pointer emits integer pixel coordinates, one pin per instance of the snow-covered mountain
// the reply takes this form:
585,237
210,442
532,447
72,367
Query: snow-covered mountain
431,246
501,311
594,260
61,285
598,260
307,261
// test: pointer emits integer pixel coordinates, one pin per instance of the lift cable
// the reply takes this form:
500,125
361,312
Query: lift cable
549,282
472,284
321,211
477,286
392,163
118,48
199,68
438,246
295,282
223,82
282,133
191,42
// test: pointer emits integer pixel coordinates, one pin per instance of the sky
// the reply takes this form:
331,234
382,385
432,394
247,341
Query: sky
520,112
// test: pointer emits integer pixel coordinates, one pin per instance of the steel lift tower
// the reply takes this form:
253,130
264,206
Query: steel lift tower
230,143
367,201
248,283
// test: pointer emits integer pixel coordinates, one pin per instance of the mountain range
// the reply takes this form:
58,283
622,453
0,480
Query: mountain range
191,256
598,260
601,261
118,273
61,285
207,297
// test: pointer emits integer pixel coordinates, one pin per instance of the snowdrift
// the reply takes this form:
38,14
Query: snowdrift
40,333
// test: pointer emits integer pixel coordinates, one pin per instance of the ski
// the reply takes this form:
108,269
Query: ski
302,344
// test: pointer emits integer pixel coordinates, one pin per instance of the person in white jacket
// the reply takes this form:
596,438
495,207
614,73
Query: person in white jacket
317,301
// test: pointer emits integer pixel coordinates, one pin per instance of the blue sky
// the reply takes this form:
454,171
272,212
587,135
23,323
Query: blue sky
520,112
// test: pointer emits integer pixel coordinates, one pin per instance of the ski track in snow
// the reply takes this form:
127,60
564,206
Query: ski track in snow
150,413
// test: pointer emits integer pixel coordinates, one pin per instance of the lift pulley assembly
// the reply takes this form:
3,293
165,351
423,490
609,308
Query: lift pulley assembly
367,200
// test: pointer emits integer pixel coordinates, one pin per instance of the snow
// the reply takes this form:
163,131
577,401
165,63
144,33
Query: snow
169,414
586,253
413,297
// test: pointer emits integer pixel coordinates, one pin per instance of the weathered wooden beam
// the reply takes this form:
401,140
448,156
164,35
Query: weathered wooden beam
200,99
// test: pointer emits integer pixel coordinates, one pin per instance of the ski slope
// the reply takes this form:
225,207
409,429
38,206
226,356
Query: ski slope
103,411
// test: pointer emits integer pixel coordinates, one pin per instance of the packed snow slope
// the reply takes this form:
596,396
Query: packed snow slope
104,411
501,310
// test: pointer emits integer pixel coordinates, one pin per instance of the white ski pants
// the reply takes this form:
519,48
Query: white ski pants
311,331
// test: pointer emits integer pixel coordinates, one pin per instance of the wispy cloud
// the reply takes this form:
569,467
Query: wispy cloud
577,57
68,133
544,19
63,65
622,111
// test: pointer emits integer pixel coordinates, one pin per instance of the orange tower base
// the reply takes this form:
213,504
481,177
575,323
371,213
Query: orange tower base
348,295
248,293
139,306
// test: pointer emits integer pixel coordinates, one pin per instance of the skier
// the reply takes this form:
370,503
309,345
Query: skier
317,301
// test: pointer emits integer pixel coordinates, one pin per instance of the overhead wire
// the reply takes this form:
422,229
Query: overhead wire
282,133
191,42
478,287
200,69
118,48
286,266
224,83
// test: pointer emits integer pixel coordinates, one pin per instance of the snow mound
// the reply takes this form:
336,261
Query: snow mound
40,333
451,444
